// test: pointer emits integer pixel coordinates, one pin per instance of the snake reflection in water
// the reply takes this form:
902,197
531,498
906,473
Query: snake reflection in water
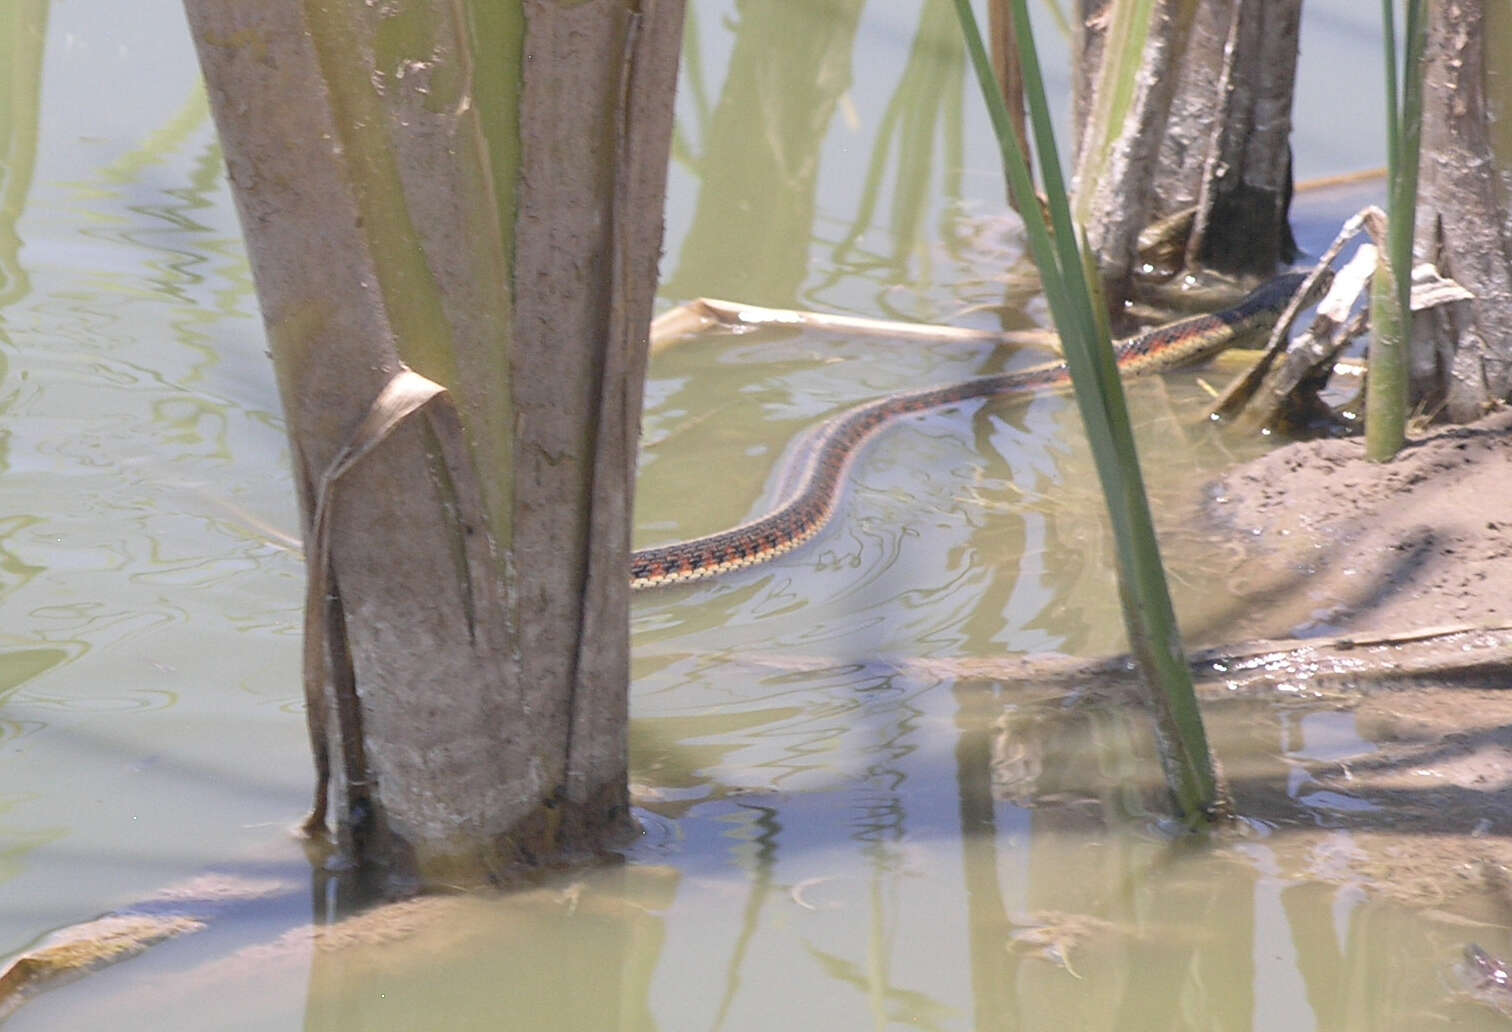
805,509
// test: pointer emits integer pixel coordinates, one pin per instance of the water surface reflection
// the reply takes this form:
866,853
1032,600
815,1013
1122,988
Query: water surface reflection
838,835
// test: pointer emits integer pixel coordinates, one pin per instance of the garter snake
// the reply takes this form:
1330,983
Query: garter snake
807,507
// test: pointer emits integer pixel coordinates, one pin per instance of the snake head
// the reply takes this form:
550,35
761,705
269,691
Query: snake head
1314,286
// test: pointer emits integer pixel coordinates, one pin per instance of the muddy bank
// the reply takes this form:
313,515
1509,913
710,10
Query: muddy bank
1335,543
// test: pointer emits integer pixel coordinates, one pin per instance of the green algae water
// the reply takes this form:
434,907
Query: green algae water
843,827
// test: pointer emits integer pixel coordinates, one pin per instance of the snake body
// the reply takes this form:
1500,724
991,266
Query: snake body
809,505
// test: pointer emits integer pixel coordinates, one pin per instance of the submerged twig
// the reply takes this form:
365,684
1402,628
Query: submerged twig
1238,393
1311,355
1309,358
706,313
1465,655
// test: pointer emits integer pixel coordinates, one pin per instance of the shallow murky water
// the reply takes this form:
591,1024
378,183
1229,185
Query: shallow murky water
838,835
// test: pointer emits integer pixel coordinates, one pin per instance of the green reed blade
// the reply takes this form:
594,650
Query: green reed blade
1148,613
1386,389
